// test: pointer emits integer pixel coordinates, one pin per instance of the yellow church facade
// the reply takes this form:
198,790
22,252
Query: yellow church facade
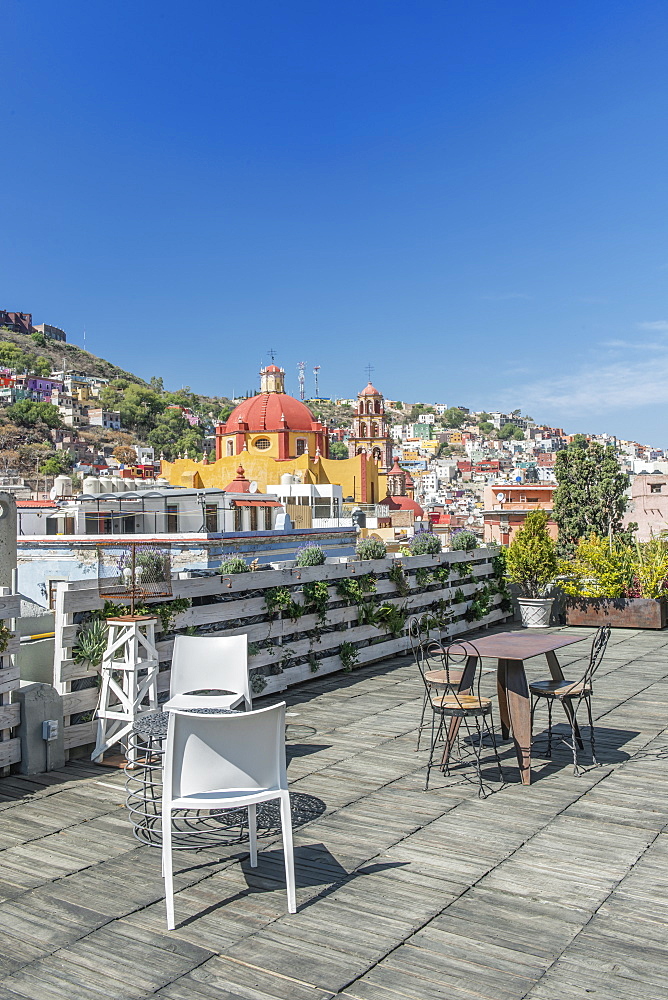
273,433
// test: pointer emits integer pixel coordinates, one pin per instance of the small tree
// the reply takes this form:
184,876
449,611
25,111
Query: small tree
532,556
124,454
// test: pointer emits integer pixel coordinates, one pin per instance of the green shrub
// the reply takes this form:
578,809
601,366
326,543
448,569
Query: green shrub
371,548
424,543
234,564
532,556
310,555
464,541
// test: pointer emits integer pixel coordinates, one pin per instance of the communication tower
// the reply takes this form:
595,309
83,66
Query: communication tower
316,369
301,368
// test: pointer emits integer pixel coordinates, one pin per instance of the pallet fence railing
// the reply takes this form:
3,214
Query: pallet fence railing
10,679
295,631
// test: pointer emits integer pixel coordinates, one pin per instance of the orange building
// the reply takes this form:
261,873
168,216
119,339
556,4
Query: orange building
507,505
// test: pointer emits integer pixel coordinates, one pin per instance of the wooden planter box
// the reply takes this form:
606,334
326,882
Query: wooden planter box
619,612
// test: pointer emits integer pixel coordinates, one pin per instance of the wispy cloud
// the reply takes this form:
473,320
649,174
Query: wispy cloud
660,325
637,381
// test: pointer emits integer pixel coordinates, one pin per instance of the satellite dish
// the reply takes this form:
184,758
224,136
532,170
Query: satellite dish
500,497
52,493
470,520
252,487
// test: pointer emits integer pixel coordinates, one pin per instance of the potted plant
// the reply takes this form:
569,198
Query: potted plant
532,565
611,581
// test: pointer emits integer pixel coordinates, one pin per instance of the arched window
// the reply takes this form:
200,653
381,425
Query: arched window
230,447
374,430
369,408
361,406
362,429
301,446
377,454
377,406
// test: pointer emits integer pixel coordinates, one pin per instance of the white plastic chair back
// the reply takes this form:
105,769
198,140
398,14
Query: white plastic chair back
226,761
227,754
202,663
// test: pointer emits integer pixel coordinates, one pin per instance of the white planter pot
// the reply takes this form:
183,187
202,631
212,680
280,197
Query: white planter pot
536,611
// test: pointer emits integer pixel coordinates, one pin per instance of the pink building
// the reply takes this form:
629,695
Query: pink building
648,506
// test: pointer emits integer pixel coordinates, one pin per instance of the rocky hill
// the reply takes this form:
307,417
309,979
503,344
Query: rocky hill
66,356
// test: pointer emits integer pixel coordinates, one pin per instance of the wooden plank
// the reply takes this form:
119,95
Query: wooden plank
9,678
10,753
78,736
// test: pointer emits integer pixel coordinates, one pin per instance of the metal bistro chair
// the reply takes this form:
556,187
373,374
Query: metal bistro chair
226,762
464,704
217,664
435,671
572,694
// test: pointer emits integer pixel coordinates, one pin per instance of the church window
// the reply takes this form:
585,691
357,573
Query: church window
262,444
374,430
363,430
362,407
230,447
377,454
377,407
301,446
369,408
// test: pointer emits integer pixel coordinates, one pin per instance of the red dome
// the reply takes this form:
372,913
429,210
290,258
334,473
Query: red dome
403,503
369,391
273,369
265,412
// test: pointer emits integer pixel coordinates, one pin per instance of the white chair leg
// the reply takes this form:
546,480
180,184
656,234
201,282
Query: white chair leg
288,852
167,867
252,834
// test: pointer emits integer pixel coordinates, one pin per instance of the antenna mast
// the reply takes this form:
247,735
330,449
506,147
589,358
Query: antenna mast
301,368
316,369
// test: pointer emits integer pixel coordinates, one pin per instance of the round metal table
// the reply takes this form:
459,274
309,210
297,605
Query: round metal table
143,786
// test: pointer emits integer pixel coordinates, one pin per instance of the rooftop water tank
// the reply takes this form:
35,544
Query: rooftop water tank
92,484
62,486
286,479
119,484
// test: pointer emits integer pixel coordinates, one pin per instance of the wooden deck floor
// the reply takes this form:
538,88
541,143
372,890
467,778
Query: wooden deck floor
555,891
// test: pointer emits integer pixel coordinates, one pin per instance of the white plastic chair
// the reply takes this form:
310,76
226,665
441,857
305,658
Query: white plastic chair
226,762
205,663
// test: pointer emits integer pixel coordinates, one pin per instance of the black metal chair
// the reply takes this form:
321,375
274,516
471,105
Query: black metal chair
572,694
463,703
430,658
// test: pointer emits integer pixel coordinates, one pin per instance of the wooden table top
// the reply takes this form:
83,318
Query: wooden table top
518,645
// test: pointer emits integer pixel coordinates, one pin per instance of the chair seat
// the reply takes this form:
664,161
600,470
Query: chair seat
186,702
462,704
559,689
443,677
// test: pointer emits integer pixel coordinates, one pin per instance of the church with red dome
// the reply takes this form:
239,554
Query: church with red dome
272,424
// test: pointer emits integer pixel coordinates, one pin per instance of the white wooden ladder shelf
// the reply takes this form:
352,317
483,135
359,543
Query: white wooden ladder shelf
129,676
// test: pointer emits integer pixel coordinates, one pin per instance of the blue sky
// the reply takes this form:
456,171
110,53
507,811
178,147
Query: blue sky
470,195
